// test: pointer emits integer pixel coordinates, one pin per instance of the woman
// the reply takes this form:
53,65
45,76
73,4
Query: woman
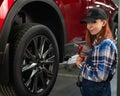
100,65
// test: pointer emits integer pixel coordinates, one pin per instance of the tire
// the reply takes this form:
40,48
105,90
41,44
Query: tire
115,31
34,61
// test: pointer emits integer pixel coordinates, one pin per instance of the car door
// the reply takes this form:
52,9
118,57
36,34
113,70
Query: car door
74,11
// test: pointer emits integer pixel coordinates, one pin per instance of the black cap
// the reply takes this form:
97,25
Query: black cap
94,14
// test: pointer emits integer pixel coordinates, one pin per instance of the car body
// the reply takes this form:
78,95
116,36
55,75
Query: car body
34,33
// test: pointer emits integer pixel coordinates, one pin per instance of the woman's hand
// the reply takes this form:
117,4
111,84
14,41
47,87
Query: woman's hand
79,60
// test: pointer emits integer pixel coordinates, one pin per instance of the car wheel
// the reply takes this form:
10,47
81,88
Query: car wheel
34,61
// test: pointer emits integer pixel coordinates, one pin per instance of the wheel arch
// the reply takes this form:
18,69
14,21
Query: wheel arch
44,12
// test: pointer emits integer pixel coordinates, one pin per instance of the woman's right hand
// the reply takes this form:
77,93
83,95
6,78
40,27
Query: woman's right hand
78,61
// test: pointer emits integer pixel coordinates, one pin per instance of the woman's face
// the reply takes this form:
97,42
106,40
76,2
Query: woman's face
95,27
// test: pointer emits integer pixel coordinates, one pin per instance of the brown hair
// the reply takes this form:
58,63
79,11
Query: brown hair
104,34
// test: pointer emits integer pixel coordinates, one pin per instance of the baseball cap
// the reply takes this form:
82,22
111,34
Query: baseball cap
94,14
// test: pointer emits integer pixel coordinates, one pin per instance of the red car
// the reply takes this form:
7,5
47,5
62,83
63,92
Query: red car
34,35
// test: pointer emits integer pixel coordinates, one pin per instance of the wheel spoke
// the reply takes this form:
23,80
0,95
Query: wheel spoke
42,79
49,60
41,48
30,78
35,42
49,73
48,51
35,83
29,55
28,66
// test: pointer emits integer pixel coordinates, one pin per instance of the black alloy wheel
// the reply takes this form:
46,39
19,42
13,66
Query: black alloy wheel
34,61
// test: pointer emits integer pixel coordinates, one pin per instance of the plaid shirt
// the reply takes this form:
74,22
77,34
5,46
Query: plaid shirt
101,61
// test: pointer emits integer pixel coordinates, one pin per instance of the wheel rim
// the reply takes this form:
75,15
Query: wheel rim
38,64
